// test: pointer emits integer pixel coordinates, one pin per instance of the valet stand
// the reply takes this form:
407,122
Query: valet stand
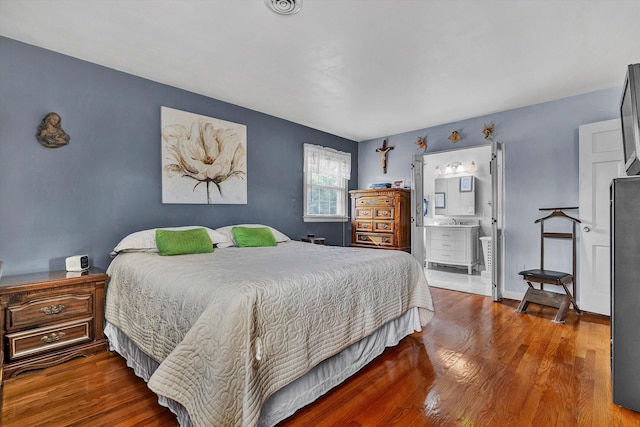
550,277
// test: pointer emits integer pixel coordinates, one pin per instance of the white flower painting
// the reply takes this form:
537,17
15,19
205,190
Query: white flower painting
204,160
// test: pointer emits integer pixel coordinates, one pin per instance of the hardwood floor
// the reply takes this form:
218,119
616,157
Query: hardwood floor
476,364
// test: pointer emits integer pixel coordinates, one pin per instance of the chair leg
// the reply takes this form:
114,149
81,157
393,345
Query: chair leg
573,300
522,308
562,310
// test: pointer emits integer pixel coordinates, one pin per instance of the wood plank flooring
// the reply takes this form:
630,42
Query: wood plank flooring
476,364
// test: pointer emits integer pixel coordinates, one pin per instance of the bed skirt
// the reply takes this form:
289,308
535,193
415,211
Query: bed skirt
301,392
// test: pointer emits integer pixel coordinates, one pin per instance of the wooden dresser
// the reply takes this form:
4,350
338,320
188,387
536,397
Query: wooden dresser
381,218
48,318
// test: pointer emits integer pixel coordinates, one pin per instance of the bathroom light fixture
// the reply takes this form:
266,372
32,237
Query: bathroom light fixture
284,7
459,167
448,169
438,170
473,167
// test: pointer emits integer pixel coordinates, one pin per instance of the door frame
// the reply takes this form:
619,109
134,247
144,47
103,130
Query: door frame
497,219
497,214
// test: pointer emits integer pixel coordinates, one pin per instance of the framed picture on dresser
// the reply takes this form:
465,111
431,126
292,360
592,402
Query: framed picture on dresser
398,183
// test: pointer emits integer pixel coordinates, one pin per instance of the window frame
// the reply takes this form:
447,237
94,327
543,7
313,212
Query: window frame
343,201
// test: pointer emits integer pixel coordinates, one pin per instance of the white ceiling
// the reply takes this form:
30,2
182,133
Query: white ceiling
360,69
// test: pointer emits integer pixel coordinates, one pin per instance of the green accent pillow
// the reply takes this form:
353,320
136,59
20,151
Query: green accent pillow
194,241
249,237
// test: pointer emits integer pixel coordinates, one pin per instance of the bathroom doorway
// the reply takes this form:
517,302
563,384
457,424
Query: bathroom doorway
457,218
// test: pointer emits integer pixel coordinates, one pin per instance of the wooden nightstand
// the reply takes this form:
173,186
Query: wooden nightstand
51,317
312,239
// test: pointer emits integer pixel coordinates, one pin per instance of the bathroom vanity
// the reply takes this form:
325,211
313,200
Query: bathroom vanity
453,245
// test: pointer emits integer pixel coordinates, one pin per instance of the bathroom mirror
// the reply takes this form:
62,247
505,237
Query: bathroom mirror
459,193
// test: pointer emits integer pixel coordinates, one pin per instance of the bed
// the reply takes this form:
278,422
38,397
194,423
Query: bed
247,335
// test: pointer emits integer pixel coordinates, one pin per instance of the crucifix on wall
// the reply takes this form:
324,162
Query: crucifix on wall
383,151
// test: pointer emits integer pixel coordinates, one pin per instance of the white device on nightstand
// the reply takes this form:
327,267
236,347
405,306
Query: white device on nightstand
77,263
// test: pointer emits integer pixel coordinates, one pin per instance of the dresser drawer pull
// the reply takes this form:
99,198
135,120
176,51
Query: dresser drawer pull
385,226
53,309
53,337
384,213
385,240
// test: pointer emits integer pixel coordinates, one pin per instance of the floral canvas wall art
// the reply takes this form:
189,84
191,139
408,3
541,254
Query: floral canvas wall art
204,160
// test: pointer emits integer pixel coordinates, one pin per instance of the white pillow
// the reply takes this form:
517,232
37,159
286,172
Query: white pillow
145,240
226,231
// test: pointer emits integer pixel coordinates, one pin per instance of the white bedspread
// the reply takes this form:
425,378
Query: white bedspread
231,327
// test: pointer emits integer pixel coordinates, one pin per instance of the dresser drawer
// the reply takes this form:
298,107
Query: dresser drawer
364,225
42,340
374,239
447,234
383,213
49,309
444,256
364,212
448,245
383,226
374,201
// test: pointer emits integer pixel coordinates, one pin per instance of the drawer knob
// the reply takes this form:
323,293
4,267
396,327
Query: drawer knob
53,337
385,226
53,309
384,213
385,240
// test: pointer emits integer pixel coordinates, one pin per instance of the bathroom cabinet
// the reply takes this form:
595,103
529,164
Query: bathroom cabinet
453,245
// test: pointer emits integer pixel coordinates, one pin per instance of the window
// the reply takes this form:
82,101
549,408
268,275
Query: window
326,174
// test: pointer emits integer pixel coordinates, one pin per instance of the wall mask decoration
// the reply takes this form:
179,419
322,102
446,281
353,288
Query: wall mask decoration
50,133
383,152
487,131
204,160
422,143
454,137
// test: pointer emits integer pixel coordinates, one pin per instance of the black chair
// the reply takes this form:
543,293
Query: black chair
550,277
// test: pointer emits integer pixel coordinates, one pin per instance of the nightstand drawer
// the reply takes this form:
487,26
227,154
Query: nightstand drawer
42,340
49,309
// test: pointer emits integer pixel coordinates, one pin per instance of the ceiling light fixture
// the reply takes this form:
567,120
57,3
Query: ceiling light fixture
284,7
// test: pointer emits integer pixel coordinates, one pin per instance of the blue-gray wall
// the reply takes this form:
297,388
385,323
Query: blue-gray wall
84,197
541,163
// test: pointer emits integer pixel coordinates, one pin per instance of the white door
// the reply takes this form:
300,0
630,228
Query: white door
600,161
